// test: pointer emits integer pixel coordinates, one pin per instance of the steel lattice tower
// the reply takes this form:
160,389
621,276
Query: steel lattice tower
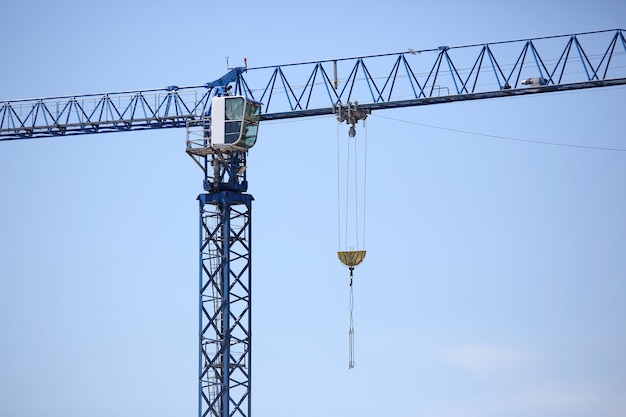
225,300
225,278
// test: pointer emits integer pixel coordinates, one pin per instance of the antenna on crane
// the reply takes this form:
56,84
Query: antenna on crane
352,252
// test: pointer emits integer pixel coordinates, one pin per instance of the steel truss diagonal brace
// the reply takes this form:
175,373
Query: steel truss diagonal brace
225,301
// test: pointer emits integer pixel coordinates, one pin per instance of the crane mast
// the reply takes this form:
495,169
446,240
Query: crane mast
350,88
218,143
225,301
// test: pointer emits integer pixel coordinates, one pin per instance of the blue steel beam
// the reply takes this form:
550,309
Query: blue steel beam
409,78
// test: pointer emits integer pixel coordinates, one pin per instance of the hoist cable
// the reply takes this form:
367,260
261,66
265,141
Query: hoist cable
351,363
364,181
356,195
353,187
347,193
338,191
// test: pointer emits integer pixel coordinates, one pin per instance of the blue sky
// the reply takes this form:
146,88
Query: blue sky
495,274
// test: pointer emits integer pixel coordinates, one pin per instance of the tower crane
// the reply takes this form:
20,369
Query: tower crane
221,119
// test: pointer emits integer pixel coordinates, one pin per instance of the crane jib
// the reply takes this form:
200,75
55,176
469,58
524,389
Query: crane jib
410,78
451,98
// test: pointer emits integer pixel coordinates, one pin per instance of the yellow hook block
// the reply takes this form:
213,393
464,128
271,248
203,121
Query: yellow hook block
351,258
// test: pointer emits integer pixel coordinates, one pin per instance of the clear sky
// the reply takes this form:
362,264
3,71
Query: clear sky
495,278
